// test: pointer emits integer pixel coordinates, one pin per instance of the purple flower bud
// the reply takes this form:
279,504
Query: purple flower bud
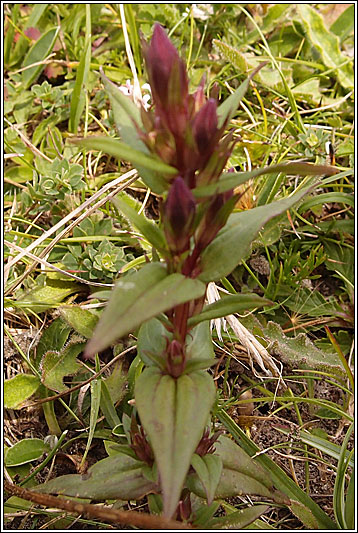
217,213
163,63
178,215
205,126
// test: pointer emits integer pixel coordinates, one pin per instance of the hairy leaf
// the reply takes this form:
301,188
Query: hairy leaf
56,365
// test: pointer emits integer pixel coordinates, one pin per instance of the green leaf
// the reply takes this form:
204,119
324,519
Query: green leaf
22,44
204,514
116,477
107,407
228,304
116,383
232,243
96,385
327,43
147,228
305,514
235,458
232,483
300,352
239,519
230,180
137,298
40,299
227,109
18,389
280,479
38,53
340,481
350,503
123,151
151,339
174,413
78,99
54,336
332,197
81,320
25,451
56,365
208,469
126,116
199,344
344,24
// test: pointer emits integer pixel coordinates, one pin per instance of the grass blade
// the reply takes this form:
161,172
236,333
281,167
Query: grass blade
78,96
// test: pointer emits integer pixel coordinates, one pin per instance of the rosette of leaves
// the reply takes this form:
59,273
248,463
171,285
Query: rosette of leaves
50,97
98,260
58,179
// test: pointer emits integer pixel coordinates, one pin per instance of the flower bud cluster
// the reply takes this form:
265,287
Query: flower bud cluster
183,130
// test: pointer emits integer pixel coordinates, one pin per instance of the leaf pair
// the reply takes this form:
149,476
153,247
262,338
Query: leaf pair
138,297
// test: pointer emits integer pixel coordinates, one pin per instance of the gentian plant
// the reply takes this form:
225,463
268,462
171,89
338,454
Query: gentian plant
181,146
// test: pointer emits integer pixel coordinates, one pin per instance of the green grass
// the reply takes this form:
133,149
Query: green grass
56,200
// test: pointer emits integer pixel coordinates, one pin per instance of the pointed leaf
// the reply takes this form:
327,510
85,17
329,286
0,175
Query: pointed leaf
174,413
327,43
116,477
349,510
235,458
25,451
38,53
235,303
42,298
18,389
151,339
208,469
227,109
199,344
107,406
81,320
126,113
232,243
139,297
232,483
121,150
240,519
148,228
56,365
78,98
229,180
